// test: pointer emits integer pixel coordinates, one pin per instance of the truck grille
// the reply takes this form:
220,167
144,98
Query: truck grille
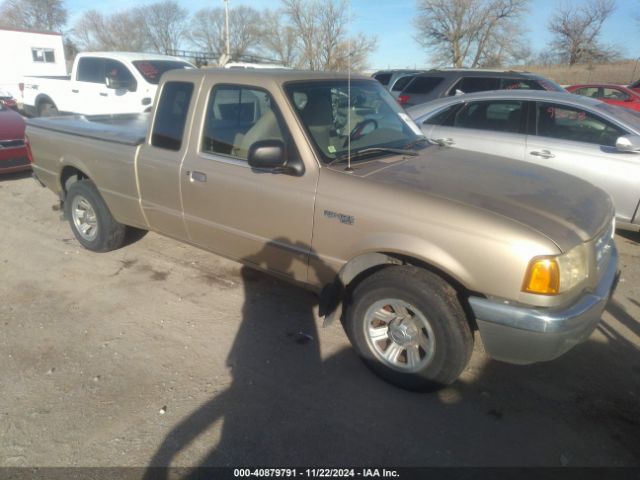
11,143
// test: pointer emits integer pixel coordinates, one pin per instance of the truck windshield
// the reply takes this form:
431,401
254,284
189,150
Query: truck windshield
152,70
342,118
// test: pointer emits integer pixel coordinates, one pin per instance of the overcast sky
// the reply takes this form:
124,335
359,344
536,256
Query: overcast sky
391,21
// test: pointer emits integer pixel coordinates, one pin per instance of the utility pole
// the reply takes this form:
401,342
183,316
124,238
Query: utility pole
226,25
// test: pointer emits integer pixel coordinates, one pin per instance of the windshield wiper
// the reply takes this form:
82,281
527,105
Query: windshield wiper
372,150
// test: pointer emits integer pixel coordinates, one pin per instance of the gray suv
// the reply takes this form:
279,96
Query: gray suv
449,82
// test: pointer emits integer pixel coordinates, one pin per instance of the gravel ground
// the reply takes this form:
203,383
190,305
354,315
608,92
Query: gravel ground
162,354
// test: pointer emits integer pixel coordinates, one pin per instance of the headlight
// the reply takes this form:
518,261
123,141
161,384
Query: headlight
552,275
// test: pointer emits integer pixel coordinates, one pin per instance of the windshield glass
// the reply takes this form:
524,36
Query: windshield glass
625,115
152,70
362,116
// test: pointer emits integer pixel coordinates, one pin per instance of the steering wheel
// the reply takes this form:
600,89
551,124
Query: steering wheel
358,130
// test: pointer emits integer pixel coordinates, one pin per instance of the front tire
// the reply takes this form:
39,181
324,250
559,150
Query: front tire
47,108
408,326
90,219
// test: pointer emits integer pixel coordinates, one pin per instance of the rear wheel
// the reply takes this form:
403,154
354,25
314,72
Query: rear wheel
409,327
47,108
90,219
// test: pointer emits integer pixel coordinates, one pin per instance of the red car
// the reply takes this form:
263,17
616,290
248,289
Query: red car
15,154
613,94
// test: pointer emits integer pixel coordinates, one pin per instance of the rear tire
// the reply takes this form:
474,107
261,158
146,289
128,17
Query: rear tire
47,108
90,219
408,326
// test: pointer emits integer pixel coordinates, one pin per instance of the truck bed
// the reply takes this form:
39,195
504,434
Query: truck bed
128,129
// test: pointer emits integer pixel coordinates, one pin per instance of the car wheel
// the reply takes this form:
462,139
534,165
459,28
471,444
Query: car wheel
408,326
90,219
46,108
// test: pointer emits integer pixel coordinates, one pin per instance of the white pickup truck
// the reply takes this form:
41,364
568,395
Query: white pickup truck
100,83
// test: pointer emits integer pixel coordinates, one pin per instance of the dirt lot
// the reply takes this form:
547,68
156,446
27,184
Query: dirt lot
159,353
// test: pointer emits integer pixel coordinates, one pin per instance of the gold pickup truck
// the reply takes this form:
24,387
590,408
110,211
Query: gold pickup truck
322,179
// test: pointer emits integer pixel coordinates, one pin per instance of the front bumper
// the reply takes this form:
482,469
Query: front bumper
527,335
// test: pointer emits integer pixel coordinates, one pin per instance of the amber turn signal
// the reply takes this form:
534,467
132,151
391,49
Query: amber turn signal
542,277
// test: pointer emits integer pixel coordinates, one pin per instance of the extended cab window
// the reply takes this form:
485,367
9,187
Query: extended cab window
171,115
90,69
569,123
495,115
237,117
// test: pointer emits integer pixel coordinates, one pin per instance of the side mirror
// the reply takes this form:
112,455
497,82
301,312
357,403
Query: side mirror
119,84
270,155
628,143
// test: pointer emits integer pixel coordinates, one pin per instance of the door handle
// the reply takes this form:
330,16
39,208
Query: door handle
102,94
542,154
197,176
75,90
444,142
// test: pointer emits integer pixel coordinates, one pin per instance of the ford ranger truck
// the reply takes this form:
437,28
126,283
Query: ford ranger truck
323,180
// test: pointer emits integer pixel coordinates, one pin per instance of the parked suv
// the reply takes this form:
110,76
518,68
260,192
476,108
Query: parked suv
389,77
449,82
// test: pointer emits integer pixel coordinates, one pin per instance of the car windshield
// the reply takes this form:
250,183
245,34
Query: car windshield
625,115
152,70
344,118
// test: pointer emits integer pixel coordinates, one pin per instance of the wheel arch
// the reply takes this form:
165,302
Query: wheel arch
69,175
334,297
43,97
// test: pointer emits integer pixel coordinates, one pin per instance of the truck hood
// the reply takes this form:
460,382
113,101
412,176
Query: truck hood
564,208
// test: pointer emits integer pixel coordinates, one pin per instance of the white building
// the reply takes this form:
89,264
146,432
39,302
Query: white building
25,52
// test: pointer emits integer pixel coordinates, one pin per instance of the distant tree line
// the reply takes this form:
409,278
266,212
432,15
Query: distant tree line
490,33
311,34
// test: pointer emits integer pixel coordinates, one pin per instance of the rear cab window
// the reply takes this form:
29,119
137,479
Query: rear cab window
171,115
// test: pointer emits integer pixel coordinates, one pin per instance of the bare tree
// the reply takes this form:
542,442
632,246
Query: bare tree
279,39
164,24
576,31
117,32
468,32
208,30
322,37
50,15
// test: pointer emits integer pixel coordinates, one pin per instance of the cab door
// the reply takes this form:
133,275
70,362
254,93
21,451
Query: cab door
260,217
123,98
581,143
494,127
88,92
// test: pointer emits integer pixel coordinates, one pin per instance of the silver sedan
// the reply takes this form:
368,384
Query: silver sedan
581,136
